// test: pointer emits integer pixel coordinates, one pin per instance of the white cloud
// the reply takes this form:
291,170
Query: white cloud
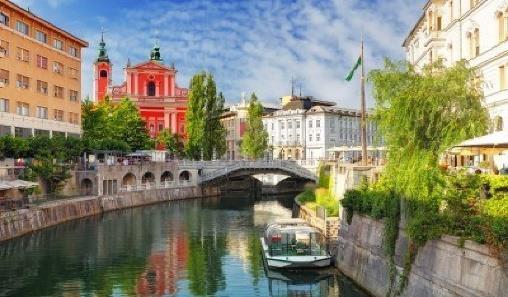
255,46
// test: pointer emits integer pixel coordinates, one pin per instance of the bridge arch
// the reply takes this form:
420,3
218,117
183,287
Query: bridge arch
167,176
148,177
129,179
184,175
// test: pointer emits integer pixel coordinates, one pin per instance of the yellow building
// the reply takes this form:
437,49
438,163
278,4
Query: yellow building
40,75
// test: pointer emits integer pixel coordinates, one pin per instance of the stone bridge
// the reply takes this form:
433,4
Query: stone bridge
102,179
249,168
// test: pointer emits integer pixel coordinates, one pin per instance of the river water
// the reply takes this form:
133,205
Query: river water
207,247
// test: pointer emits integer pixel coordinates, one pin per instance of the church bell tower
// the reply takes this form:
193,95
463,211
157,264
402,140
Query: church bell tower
102,72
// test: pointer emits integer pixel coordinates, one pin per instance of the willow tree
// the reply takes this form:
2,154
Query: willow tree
421,114
255,139
206,135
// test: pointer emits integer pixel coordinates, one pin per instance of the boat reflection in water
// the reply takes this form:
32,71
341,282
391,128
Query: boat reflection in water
310,283
300,283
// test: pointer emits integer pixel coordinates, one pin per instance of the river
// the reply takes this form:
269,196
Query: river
207,247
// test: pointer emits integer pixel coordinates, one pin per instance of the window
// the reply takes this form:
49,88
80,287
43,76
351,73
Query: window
58,115
502,20
150,89
273,126
4,76
22,82
73,51
318,123
4,105
73,118
290,124
42,62
282,125
73,95
451,10
22,54
73,73
41,36
4,19
42,87
476,36
58,67
502,78
42,112
4,48
318,137
22,27
58,44
297,124
310,123
23,109
103,73
58,92
310,137
439,23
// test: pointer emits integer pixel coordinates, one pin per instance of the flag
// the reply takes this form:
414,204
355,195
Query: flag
352,72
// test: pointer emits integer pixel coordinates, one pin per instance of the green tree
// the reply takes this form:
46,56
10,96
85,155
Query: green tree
171,142
113,127
420,115
206,135
255,139
195,116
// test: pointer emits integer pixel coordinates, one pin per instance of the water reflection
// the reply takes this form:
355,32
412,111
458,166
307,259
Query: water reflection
189,248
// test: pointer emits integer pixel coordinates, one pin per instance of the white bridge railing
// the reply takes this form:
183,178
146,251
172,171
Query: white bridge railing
284,165
153,185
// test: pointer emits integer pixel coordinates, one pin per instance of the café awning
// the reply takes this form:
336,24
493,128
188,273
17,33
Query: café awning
496,140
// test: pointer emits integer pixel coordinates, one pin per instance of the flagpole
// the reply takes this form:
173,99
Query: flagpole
363,126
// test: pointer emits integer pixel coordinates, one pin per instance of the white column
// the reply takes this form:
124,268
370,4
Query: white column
172,85
129,81
157,88
136,90
166,120
166,85
173,123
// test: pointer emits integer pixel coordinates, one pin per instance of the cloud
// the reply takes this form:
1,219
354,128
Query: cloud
257,46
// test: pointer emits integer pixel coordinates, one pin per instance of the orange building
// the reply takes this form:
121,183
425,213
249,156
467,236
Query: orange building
151,85
40,75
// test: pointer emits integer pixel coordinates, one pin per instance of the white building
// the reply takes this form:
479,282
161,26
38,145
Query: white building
297,132
474,30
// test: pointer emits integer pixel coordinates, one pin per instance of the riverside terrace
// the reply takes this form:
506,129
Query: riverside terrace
111,179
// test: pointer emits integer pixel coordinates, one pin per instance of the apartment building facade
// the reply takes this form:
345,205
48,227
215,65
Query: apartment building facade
474,30
40,75
306,129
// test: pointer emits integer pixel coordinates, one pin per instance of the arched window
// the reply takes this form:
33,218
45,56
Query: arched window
103,73
150,89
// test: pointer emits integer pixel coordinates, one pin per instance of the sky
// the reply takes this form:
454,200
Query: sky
249,45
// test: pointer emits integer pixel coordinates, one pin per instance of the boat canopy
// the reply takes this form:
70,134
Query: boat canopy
296,239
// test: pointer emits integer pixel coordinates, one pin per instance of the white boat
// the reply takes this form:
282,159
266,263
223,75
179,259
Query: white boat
292,243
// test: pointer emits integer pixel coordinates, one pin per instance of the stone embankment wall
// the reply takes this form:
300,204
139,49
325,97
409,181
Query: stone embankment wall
23,221
329,227
442,268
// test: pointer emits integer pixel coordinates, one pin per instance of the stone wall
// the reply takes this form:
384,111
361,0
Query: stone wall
329,227
23,221
442,268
